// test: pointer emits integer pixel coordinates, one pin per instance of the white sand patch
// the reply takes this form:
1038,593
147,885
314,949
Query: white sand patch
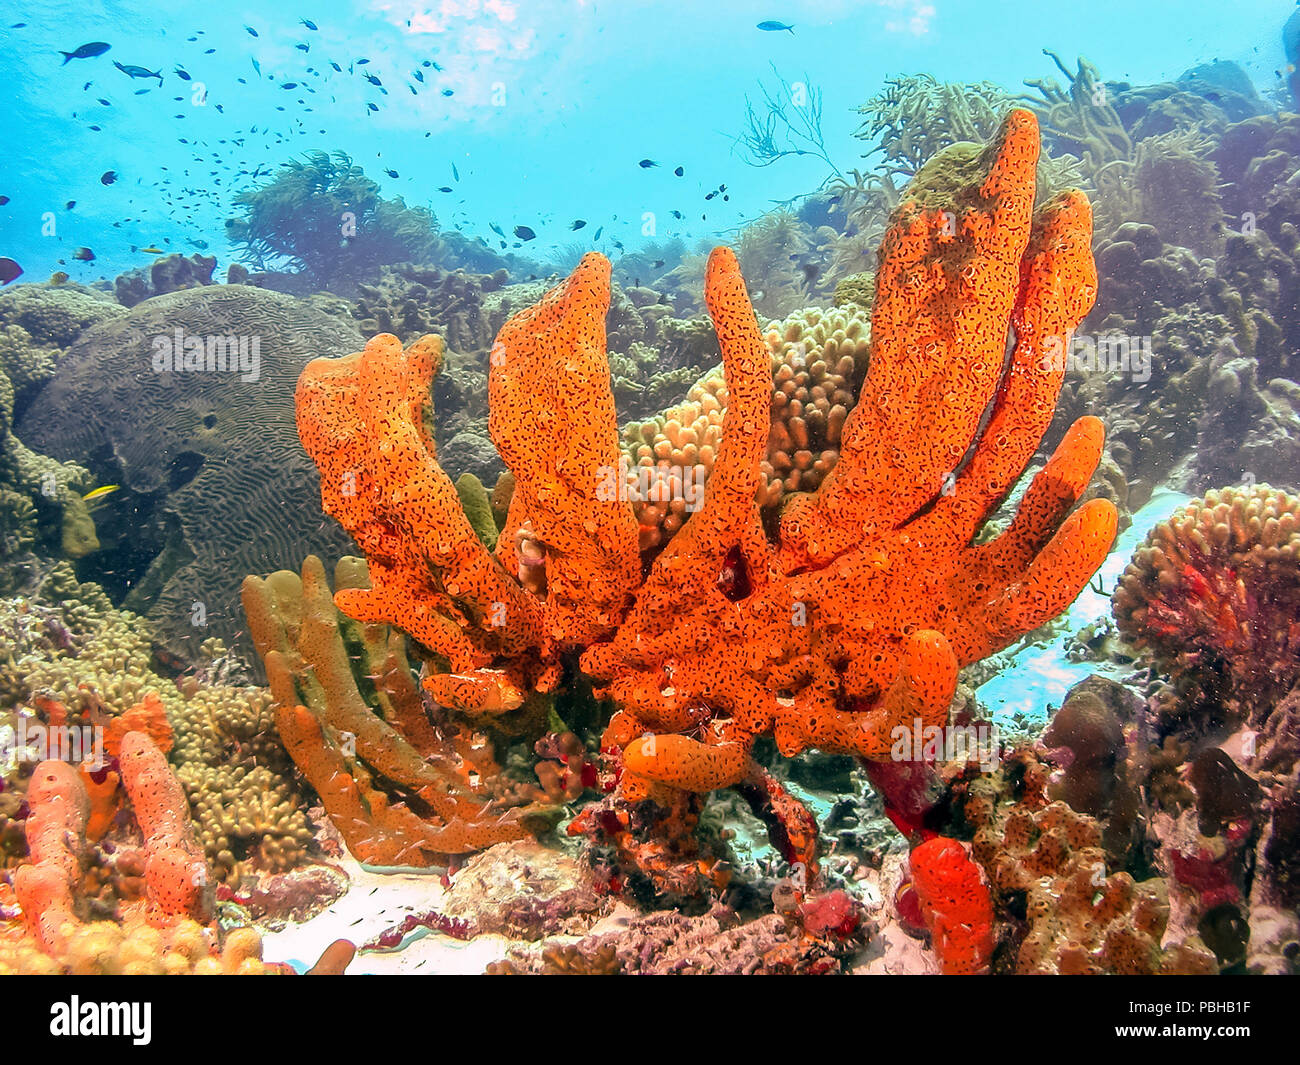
374,903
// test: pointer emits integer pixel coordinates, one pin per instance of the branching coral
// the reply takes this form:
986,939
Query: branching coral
856,619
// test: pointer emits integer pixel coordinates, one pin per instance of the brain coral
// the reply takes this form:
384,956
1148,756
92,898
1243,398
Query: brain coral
220,486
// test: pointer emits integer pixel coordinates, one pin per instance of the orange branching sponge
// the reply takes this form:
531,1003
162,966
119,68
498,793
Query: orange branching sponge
56,838
955,905
855,621
177,880
553,420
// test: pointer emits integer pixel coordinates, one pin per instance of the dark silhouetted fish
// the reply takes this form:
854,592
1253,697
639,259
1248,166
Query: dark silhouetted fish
3,200
303,47
85,51
70,205
524,233
772,26
372,107
308,23
448,92
418,75
104,103
182,74
444,188
680,171
391,173
9,270
646,164
496,229
108,177
371,78
132,71
84,255
251,32
577,223
454,172
598,233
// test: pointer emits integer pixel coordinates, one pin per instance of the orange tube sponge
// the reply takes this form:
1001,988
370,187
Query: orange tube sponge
177,880
56,833
955,905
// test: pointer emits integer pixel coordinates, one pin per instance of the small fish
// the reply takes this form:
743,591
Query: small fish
108,177
372,107
289,85
58,277
303,47
152,250
418,75
3,200
104,103
9,270
496,229
657,264
141,92
524,233
646,164
101,492
132,71
308,23
679,171
95,129
391,173
336,66
448,92
257,66
362,62
711,194
251,32
183,74
84,255
772,26
444,188
678,215
209,51
85,51
454,172
598,233
70,205
371,78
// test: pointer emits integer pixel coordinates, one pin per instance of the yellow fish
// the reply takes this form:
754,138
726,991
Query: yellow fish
99,493
58,277
153,251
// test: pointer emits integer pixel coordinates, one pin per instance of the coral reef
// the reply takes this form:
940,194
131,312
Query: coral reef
714,944
172,273
1046,861
322,216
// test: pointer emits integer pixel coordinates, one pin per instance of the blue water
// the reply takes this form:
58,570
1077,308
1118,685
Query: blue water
553,104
